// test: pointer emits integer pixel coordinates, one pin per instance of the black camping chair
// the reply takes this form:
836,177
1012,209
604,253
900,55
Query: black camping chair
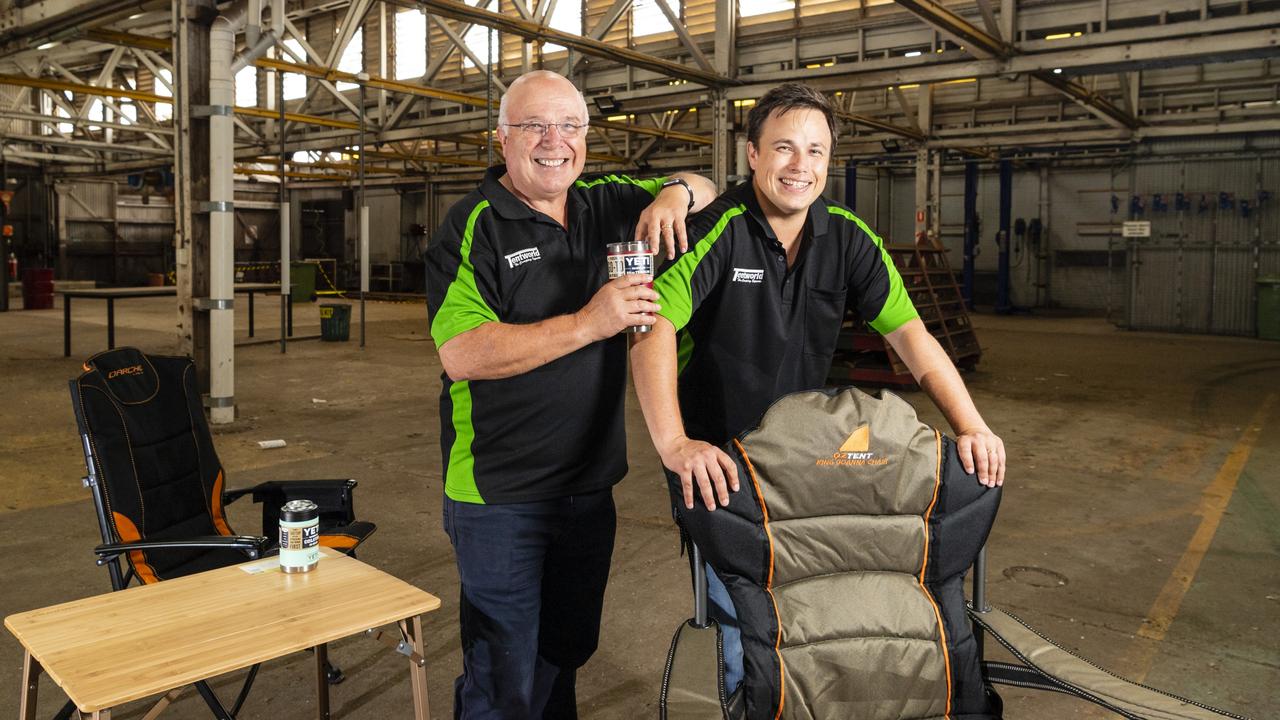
160,492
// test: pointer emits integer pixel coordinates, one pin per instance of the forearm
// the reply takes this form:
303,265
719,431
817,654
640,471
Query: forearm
653,371
498,350
704,190
937,375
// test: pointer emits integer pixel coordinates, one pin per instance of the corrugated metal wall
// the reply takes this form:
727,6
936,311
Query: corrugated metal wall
1198,270
1197,273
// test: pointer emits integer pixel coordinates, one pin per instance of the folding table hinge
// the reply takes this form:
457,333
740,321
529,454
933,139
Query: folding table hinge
401,646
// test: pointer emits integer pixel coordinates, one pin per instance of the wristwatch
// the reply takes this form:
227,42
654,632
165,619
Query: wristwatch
679,181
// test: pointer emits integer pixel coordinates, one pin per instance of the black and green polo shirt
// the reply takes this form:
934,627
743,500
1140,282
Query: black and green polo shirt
750,330
558,429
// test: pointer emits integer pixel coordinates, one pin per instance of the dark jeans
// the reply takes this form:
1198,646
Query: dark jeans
533,579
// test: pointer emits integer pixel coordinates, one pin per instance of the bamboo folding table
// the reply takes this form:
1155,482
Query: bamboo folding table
110,649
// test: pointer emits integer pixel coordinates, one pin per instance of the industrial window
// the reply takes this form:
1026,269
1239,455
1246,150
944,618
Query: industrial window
164,111
352,60
96,112
129,113
295,84
247,87
566,17
411,44
477,41
648,19
751,8
64,128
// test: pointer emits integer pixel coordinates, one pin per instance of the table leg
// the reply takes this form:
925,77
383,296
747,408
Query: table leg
322,682
412,628
250,313
66,326
163,703
111,323
30,684
104,714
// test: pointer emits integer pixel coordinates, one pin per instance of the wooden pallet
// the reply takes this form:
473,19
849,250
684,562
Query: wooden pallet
862,355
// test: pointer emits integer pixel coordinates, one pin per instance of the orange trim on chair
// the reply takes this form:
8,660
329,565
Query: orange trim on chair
942,632
216,508
128,532
768,585
339,542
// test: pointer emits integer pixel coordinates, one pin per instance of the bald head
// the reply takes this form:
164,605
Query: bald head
538,83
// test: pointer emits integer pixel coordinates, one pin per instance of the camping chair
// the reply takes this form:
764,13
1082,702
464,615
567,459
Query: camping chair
845,555
159,490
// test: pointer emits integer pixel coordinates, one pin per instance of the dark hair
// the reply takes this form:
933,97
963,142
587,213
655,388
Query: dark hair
784,99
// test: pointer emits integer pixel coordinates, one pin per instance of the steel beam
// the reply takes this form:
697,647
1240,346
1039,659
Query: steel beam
653,132
685,39
587,46
910,133
374,81
980,43
973,38
1091,101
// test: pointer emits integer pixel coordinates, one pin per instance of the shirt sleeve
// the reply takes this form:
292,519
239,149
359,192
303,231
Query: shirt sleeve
684,283
623,199
876,288
461,276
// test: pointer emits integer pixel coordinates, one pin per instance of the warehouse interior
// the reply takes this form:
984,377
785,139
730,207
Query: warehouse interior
1096,180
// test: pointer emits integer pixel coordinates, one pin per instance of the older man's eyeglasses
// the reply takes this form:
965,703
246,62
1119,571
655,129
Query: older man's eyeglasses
540,129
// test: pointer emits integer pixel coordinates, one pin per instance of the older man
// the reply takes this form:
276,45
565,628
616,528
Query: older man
531,409
759,300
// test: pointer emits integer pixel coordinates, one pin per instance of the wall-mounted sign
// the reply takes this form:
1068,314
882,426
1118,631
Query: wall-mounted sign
1137,228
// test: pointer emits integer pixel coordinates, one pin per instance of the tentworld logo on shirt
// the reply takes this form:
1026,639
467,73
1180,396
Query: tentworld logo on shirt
520,257
856,450
748,275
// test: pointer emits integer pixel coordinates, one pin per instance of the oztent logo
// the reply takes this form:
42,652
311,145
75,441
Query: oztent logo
856,450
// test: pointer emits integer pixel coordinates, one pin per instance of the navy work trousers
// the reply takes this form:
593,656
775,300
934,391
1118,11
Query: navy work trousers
533,579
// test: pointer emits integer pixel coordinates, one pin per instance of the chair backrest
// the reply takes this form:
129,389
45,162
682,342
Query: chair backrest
844,554
148,444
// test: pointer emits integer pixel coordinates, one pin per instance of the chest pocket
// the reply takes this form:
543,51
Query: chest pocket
823,314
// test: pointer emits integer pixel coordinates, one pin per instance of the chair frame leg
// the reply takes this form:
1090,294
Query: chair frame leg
322,681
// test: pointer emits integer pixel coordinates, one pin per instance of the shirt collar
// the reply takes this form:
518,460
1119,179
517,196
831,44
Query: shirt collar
500,198
819,217
511,207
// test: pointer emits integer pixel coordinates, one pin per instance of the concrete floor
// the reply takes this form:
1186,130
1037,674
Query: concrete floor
1118,445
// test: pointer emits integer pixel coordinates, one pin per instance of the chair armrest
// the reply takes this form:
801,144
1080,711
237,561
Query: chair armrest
250,545
230,496
335,499
290,489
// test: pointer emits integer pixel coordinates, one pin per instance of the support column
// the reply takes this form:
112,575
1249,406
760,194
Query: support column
1003,304
723,148
927,219
971,229
191,250
851,186
722,139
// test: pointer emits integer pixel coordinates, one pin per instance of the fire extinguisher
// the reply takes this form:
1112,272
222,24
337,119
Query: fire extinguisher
13,266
